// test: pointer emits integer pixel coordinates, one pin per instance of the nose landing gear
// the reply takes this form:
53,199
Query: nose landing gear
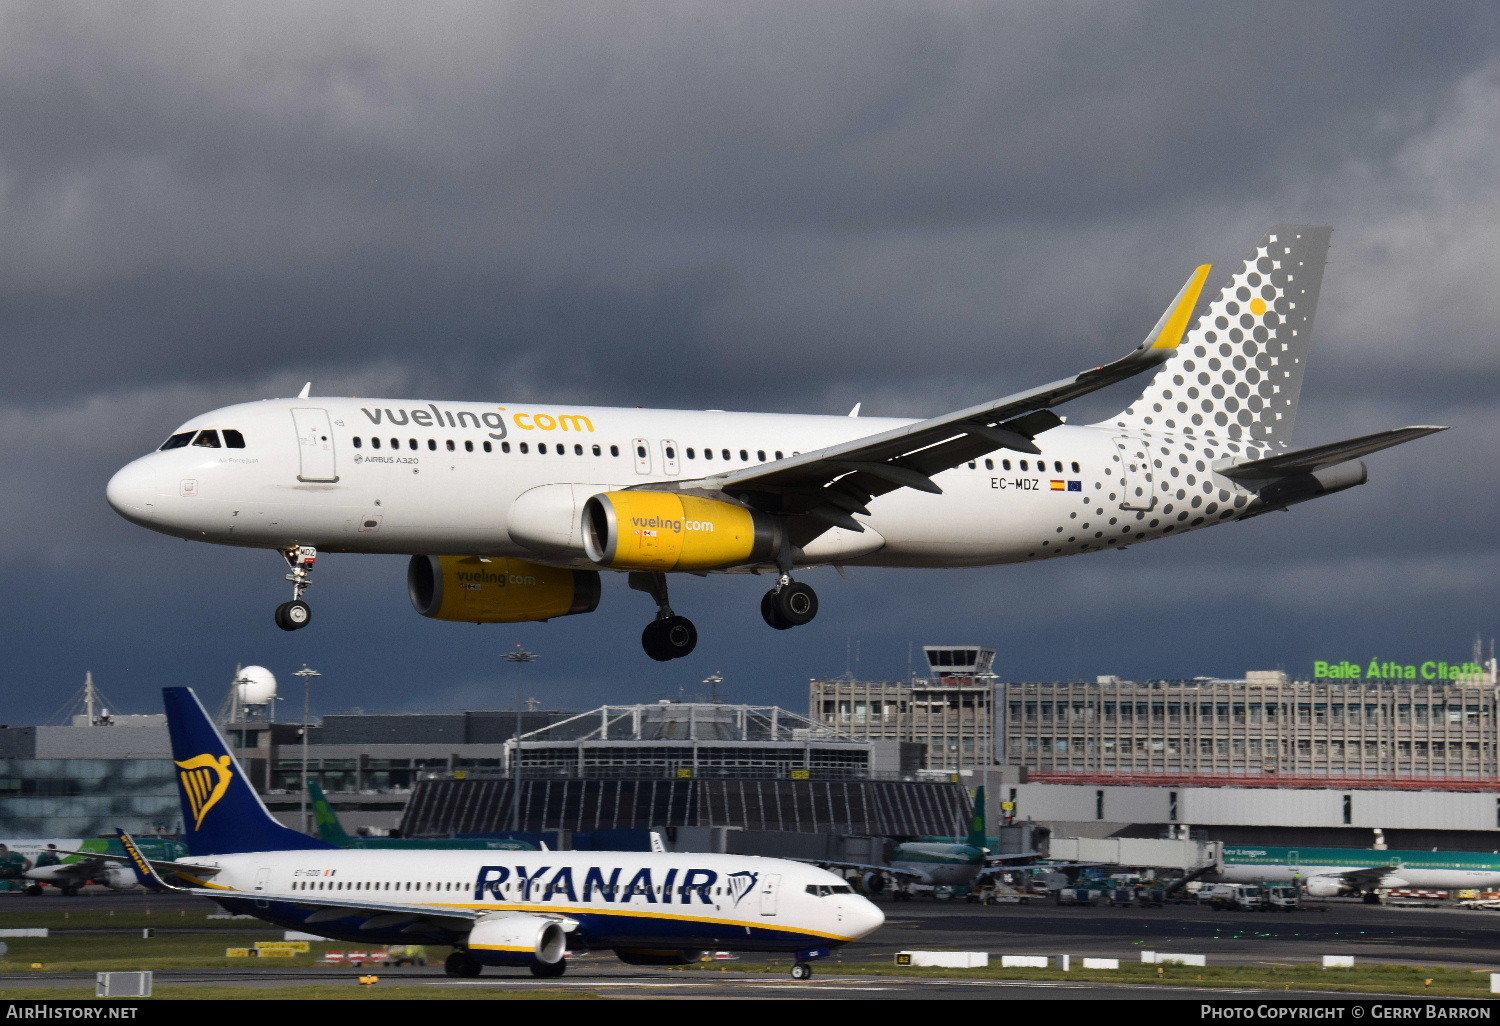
669,636
296,614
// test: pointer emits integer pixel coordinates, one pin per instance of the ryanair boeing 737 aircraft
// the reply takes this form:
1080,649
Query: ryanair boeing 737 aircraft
509,512
496,908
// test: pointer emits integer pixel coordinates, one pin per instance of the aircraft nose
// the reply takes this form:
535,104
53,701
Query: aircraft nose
865,917
132,491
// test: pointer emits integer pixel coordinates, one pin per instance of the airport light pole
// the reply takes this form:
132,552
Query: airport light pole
307,674
520,657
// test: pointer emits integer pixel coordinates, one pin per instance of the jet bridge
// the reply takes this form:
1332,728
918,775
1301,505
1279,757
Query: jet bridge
1151,852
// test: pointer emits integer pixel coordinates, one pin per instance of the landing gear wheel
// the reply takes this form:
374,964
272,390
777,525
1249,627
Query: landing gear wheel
461,963
550,969
34,890
671,637
1371,898
769,614
794,605
294,615
70,892
801,971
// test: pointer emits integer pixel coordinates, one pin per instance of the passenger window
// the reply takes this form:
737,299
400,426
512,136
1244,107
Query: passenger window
1005,464
614,450
488,447
395,443
1057,466
577,450
597,450
778,454
671,453
760,454
690,452
640,451
973,465
1023,465
524,449
450,445
989,464
725,452
744,456
357,442
375,443
207,439
505,447
541,447
1075,467
432,445
468,447
233,439
411,443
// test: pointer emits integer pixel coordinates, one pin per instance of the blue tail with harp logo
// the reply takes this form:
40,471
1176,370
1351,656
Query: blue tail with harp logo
221,812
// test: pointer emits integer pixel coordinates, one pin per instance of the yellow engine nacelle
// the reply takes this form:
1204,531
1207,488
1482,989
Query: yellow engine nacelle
474,590
663,531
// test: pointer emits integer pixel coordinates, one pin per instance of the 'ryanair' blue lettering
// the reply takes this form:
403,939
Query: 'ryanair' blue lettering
562,883
490,879
526,881
598,885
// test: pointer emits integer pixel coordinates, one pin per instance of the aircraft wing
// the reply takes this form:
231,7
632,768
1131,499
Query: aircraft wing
822,489
861,867
1364,879
1310,460
161,865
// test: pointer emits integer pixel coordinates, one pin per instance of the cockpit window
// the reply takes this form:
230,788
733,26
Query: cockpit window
233,439
177,441
824,890
207,439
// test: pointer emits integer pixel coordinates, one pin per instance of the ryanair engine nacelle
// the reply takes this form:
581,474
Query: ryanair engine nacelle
517,939
472,589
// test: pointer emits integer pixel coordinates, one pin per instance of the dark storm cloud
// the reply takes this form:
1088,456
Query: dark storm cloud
766,206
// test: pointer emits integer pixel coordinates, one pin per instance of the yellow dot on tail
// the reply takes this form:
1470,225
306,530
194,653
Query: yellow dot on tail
1257,306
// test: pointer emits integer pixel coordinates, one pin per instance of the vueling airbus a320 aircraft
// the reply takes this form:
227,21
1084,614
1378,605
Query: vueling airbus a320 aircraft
509,512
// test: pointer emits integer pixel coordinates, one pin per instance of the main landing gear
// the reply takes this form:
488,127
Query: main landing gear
789,604
460,963
296,614
801,971
669,636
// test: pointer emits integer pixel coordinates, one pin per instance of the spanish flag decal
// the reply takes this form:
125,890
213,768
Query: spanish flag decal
1059,486
205,779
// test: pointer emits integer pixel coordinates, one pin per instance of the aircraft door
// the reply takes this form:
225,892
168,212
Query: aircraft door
768,887
262,878
1135,469
671,462
642,455
314,446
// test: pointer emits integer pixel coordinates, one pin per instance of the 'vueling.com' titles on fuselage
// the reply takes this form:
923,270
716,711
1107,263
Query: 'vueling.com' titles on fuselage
400,416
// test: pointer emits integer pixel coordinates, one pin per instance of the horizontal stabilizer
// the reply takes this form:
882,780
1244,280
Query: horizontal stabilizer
1307,461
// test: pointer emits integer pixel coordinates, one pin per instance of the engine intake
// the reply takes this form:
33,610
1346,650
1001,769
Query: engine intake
662,531
473,590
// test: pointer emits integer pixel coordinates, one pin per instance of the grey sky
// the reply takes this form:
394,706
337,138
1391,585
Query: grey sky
777,206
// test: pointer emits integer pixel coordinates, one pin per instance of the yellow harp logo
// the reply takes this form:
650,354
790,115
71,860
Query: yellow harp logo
204,780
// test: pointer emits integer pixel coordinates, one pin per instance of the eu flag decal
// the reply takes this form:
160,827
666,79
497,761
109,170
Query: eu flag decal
1075,486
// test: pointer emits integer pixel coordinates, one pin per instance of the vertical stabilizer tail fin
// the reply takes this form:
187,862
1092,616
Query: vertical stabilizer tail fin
221,813
978,829
1237,375
329,827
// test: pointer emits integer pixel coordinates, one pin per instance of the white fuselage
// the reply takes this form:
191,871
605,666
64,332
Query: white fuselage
618,899
1401,876
418,477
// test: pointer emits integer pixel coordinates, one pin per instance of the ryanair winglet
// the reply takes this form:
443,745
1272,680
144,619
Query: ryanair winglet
1169,331
221,813
145,874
